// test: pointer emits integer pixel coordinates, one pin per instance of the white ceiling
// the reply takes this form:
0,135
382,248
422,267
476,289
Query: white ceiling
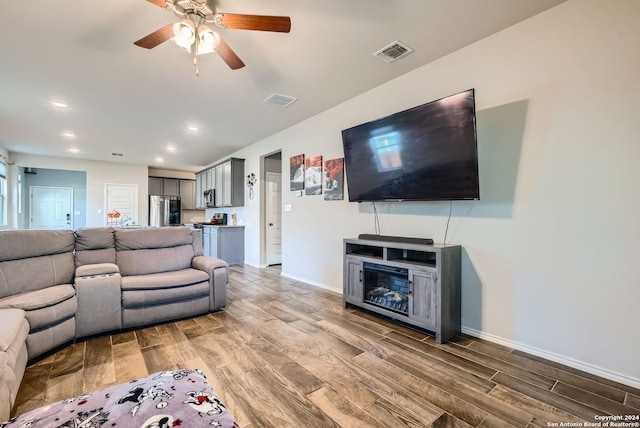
137,102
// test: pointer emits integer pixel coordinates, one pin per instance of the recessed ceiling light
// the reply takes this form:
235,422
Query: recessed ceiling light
159,159
59,104
73,150
193,128
68,134
171,149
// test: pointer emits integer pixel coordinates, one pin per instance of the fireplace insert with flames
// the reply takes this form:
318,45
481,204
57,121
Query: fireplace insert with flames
387,287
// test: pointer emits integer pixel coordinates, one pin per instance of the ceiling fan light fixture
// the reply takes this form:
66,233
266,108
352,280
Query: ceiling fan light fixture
208,40
184,34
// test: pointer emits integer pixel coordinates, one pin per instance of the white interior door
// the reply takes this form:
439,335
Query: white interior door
124,199
50,207
274,218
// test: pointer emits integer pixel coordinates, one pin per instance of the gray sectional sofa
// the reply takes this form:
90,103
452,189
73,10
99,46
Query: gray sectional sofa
57,286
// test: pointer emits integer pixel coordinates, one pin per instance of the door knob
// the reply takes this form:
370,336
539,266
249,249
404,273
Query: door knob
270,224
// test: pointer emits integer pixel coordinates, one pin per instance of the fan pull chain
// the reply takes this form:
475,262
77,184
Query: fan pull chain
195,55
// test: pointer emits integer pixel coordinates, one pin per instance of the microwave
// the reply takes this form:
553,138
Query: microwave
210,198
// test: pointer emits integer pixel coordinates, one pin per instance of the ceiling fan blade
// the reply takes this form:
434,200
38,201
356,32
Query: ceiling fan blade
281,24
154,39
159,3
229,56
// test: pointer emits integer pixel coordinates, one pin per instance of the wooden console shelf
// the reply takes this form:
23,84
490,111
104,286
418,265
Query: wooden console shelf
413,283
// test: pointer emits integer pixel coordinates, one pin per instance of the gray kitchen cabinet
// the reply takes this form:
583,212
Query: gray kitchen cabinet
219,180
228,184
231,174
170,187
164,186
184,188
206,241
188,194
155,186
199,198
210,179
416,284
224,242
227,178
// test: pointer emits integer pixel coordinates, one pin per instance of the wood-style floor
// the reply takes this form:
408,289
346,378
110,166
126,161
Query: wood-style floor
286,354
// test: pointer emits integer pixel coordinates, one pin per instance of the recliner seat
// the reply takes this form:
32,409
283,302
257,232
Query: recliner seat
36,275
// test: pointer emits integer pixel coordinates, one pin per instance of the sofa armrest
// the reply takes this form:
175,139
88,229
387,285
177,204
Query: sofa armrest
99,299
218,271
97,269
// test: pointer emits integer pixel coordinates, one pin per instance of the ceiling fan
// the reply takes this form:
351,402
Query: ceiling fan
194,35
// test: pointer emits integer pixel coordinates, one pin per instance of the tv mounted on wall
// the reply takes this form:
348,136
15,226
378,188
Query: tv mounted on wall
426,153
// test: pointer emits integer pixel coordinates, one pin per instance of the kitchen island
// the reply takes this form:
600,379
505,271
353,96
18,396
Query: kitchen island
224,242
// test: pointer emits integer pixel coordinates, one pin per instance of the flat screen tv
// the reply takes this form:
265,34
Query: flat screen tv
426,153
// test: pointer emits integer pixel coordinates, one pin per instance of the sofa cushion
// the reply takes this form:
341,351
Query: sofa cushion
45,307
155,237
14,328
159,288
95,238
22,244
95,245
90,257
143,262
178,278
43,272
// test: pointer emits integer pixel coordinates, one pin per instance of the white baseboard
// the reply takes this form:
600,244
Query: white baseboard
308,281
254,265
567,361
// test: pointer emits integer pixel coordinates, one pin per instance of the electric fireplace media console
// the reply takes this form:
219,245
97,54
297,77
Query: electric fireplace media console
413,283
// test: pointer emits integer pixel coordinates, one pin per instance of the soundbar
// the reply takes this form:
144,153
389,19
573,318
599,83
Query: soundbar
403,239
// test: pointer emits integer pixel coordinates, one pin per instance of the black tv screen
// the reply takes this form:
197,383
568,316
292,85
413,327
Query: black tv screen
426,153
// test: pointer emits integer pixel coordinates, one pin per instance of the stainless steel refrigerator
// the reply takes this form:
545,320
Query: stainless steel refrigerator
164,210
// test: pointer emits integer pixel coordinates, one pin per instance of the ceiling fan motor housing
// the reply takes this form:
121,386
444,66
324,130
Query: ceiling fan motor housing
192,9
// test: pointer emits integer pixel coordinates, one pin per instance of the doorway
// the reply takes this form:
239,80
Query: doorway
124,199
50,207
273,200
50,178
271,209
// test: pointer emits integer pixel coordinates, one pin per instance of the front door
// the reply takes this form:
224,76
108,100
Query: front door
274,218
50,207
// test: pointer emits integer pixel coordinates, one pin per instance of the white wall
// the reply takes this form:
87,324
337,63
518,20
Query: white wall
550,251
98,174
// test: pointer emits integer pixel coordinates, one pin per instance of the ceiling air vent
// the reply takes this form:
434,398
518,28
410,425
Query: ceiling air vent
393,51
280,100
